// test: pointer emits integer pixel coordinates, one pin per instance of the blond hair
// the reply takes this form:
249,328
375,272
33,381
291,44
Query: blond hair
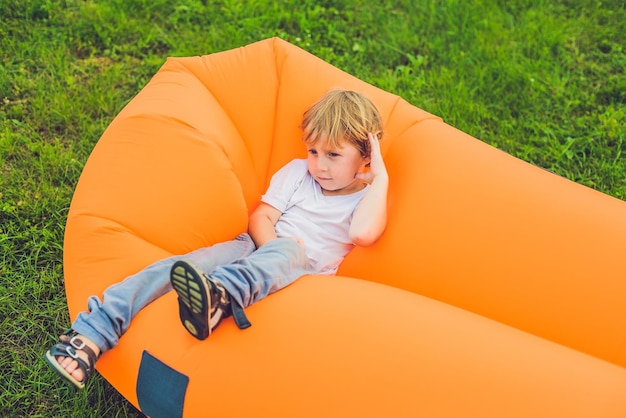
342,115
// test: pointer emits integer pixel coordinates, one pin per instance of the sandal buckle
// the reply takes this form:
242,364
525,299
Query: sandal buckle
71,351
77,343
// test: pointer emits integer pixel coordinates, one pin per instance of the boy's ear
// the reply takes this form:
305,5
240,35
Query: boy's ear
366,161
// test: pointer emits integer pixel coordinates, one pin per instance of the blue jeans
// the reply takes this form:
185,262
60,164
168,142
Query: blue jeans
246,273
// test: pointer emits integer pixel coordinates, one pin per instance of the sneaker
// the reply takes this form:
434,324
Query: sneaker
202,302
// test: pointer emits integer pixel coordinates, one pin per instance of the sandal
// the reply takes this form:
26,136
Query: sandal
68,345
201,306
202,301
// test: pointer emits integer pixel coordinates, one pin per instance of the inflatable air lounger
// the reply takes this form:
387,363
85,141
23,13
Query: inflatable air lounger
497,290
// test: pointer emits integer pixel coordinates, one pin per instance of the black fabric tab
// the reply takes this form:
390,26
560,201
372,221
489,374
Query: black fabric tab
160,389
239,315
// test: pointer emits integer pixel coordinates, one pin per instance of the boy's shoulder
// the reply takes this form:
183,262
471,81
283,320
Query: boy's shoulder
295,166
291,174
297,163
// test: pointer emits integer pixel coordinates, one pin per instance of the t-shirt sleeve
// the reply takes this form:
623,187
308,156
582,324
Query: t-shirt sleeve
284,183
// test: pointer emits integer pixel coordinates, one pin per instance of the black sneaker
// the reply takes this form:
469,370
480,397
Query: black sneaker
202,302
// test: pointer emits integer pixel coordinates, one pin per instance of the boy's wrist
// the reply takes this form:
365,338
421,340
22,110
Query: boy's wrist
381,177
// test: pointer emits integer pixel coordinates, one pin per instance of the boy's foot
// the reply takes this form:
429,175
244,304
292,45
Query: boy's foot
73,357
202,302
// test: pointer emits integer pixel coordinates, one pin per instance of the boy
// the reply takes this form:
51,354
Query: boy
313,213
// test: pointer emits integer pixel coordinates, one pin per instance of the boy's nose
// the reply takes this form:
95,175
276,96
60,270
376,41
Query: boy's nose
322,164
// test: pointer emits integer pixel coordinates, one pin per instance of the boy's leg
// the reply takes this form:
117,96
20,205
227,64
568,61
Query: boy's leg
107,320
205,299
270,268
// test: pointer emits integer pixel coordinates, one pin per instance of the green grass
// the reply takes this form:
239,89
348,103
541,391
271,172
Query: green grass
542,80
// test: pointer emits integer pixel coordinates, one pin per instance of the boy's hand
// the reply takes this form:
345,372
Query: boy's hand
298,240
377,165
370,217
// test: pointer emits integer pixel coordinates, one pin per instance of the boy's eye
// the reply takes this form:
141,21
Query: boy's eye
312,151
333,154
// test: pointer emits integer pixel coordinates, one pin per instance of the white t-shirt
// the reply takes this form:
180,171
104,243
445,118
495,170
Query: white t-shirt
321,222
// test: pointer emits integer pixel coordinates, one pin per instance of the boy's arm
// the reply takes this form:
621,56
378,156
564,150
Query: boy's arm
261,224
370,217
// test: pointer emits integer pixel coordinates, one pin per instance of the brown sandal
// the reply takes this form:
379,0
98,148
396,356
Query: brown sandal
68,346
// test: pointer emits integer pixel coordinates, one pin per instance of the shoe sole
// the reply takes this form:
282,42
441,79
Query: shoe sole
193,298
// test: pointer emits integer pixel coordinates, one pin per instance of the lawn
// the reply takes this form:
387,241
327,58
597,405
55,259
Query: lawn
542,80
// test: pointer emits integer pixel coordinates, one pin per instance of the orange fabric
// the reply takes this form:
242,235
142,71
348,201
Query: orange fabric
496,290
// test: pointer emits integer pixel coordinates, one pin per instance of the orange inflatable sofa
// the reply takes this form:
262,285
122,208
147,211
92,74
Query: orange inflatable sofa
497,290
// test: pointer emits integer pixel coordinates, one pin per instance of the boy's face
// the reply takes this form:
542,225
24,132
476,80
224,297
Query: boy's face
335,169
